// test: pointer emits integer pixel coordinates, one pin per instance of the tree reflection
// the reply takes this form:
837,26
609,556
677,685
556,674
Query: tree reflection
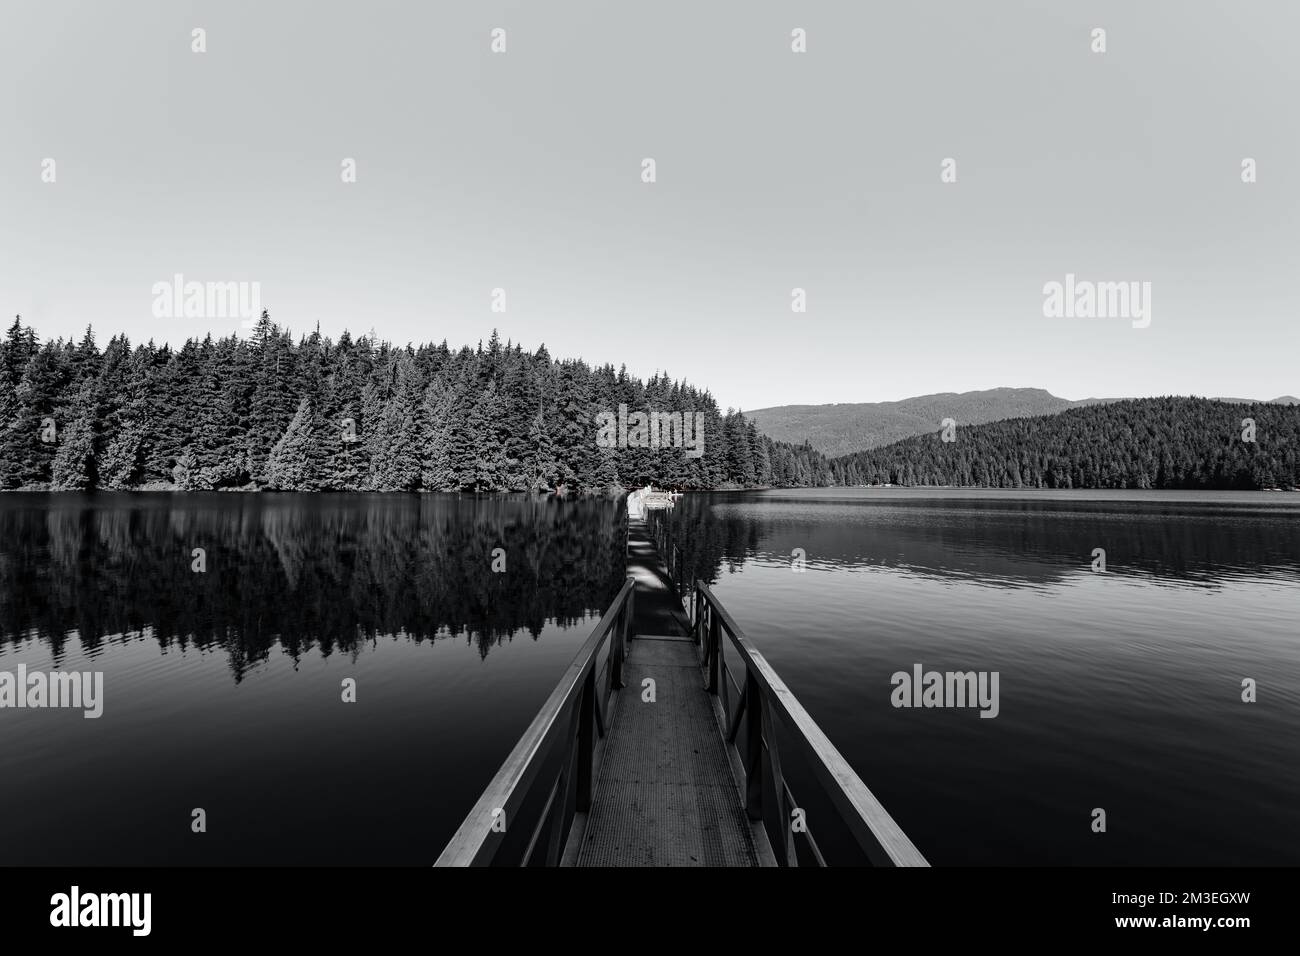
306,572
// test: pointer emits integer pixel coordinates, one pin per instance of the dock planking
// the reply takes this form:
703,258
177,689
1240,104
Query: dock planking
666,794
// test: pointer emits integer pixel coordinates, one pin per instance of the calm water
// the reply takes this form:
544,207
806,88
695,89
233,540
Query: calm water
223,690
1118,690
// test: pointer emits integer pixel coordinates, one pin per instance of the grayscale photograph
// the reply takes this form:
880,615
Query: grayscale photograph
680,435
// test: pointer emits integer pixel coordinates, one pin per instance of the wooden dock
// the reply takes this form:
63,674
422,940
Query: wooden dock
654,751
666,794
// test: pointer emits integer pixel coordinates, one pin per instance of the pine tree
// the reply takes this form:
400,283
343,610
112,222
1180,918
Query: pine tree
29,443
575,433
73,467
274,399
215,434
762,456
123,459
519,397
394,456
85,358
462,443
185,472
296,461
542,468
438,422
125,423
487,433
16,353
350,366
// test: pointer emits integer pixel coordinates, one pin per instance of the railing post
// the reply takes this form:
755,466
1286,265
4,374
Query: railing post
755,706
586,740
721,666
618,643
715,636
630,611
553,843
789,853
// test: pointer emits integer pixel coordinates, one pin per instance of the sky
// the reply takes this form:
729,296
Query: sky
774,170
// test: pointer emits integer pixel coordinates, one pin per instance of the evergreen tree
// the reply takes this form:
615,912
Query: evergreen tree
541,467
519,396
575,434
73,468
394,461
438,420
487,432
123,459
274,399
296,462
29,441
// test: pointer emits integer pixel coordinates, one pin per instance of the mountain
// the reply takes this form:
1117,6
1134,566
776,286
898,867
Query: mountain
840,429
1280,400
1181,443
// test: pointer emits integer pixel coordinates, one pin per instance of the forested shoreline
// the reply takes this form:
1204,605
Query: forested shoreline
268,413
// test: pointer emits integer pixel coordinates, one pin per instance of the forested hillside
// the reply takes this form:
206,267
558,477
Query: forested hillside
1141,443
356,414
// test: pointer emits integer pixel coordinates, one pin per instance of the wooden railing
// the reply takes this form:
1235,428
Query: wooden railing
558,755
674,562
763,704
757,709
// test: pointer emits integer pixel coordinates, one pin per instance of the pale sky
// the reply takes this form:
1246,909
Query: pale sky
775,170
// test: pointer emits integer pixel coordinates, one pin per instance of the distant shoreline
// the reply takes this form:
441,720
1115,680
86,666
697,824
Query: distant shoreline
615,494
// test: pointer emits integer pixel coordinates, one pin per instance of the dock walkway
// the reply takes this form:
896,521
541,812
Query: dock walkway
666,794
659,747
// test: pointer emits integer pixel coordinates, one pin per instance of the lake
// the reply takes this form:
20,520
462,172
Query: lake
223,687
1119,689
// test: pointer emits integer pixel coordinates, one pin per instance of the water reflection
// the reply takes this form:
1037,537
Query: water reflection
995,541
305,572
1119,690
